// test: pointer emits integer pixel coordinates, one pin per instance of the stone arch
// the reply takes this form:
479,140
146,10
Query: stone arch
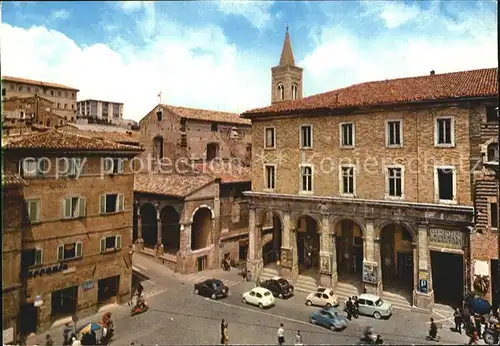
354,219
149,224
271,242
262,216
201,207
308,228
313,216
350,247
382,224
201,228
171,229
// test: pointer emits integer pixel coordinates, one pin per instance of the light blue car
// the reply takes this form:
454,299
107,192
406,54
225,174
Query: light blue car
330,318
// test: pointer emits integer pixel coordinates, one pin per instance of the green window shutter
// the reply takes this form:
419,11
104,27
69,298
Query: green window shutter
60,252
120,165
38,257
81,206
103,204
118,242
33,210
103,244
108,165
67,208
121,202
79,250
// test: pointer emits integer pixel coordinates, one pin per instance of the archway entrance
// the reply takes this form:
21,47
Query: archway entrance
271,251
171,230
396,259
307,244
149,225
201,230
349,246
135,225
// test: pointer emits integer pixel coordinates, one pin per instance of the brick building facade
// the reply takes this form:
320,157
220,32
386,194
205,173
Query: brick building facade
371,182
75,250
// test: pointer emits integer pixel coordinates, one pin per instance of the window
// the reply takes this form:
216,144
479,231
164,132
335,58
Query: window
58,93
72,94
213,127
347,135
306,136
444,132
28,89
493,215
348,180
72,106
493,152
270,138
69,251
32,257
111,243
31,167
65,106
281,92
295,92
52,93
394,133
4,92
306,181
20,88
58,105
491,114
159,115
112,203
73,207
445,183
114,165
394,187
33,209
270,177
65,94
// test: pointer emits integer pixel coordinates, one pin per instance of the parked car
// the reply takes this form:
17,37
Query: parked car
372,305
331,318
279,287
213,288
322,297
260,297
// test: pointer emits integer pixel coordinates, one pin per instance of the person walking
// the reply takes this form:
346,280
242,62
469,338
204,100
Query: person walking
222,327
457,315
298,339
474,339
281,335
355,307
349,306
226,334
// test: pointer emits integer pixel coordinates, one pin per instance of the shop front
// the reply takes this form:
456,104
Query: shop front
107,291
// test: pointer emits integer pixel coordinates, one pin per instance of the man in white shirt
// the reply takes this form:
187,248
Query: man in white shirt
281,335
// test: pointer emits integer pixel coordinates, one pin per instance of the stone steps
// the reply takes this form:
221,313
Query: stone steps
398,301
267,273
305,284
345,290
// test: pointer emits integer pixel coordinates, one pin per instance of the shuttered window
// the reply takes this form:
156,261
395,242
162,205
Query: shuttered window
73,207
38,256
111,243
33,208
69,251
111,203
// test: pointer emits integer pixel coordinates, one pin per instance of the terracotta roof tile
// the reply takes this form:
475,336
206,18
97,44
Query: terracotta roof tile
57,140
178,185
37,82
227,172
118,137
10,179
474,83
207,115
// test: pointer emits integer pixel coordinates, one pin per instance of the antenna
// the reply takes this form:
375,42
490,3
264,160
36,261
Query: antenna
287,28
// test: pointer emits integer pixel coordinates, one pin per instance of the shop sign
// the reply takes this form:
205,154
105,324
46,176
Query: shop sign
8,336
47,270
423,281
370,272
445,238
88,285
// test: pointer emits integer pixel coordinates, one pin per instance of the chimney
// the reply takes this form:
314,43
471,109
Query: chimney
433,72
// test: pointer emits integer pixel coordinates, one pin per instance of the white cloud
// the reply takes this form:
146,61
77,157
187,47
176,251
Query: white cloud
256,12
394,14
194,68
59,15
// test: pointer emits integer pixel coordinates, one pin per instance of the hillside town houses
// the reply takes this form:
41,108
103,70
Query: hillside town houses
383,186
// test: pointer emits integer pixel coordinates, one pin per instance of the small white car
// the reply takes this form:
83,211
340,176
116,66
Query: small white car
322,297
372,305
260,297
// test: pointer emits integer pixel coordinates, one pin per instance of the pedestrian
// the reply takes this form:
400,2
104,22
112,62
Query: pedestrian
66,334
226,334
356,307
477,321
379,340
281,335
474,339
140,288
222,326
458,320
298,339
48,340
348,306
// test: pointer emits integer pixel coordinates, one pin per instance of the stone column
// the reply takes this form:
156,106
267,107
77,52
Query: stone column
325,254
159,244
254,260
289,260
186,233
139,242
370,262
423,298
335,275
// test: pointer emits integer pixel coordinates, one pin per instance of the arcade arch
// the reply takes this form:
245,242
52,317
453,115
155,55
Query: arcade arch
271,249
170,230
308,243
201,229
349,248
149,225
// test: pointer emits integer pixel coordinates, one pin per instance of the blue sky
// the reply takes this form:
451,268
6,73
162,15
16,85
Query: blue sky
218,54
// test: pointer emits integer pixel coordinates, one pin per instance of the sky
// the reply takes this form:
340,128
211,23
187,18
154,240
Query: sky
218,54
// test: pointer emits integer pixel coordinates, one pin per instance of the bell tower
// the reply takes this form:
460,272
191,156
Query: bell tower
286,83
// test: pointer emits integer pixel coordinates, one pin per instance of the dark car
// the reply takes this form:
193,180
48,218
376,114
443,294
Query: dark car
212,288
279,287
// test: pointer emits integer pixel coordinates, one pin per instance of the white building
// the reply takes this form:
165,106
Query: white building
100,111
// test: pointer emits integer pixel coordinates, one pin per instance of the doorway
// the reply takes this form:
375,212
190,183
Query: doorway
212,151
201,263
29,317
405,268
64,302
447,278
243,252
107,289
307,245
495,283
